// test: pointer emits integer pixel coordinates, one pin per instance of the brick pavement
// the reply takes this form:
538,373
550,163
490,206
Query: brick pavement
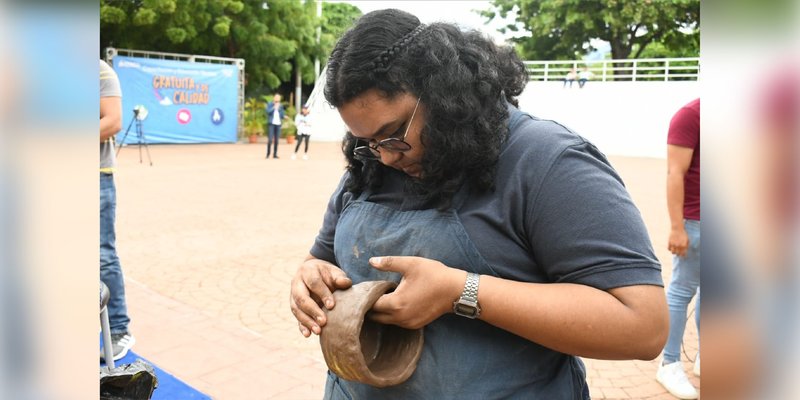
209,238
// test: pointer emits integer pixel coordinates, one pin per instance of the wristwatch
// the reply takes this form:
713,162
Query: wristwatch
467,304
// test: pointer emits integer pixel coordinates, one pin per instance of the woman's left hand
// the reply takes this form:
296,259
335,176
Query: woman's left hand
426,292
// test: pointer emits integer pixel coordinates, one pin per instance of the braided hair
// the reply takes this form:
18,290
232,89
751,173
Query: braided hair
384,60
463,79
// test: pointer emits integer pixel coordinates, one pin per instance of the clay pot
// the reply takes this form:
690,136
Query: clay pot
361,350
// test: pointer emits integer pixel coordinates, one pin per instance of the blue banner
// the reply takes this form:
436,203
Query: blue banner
177,101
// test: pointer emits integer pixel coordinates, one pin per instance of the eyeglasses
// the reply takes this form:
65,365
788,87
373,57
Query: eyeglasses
371,151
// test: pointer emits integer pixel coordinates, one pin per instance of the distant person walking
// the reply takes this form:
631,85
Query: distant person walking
275,115
683,201
303,123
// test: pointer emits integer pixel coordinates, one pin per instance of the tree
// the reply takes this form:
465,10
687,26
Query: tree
274,37
562,29
337,18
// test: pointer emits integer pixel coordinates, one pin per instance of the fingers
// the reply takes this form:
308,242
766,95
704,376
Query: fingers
385,304
341,280
337,278
380,317
392,263
304,309
323,280
679,251
390,309
408,322
312,289
320,282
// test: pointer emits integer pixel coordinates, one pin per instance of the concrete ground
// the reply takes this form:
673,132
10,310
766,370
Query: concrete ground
209,238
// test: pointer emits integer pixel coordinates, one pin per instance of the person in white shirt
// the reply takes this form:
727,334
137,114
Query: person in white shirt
303,123
584,76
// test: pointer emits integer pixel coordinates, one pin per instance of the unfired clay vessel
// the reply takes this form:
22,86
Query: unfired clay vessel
361,350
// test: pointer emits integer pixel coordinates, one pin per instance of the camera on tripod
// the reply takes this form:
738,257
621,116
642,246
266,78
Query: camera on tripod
140,112
139,115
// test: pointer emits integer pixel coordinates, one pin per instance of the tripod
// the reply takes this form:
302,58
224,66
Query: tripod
139,135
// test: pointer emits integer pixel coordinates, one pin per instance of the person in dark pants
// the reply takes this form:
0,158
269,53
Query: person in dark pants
516,247
275,115
303,123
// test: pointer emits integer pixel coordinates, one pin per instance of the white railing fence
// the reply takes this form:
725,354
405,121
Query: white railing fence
642,69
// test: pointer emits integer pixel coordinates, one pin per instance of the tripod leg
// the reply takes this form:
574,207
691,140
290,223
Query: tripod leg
142,139
125,136
147,149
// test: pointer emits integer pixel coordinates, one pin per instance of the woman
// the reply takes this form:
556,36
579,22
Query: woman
454,193
303,123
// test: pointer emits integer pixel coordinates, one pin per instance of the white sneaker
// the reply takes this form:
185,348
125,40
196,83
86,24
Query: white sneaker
672,377
120,344
696,368
294,156
305,156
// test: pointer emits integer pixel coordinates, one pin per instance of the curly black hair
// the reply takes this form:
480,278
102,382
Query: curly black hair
462,78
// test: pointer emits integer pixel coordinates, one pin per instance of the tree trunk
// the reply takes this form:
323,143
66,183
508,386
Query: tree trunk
298,88
231,48
620,51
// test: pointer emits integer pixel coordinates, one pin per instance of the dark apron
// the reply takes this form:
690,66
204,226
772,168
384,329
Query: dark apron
461,358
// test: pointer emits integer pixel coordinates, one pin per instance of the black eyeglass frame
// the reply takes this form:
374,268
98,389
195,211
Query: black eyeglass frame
398,145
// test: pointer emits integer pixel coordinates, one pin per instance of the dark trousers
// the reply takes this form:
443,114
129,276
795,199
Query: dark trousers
273,135
300,140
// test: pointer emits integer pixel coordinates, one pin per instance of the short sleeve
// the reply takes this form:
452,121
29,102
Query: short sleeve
109,82
323,244
584,228
684,128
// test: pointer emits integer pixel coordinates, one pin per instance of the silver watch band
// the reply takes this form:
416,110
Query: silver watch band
471,287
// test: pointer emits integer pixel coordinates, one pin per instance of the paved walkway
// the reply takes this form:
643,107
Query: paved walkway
209,238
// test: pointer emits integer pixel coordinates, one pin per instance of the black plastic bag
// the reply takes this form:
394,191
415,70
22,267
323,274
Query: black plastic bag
135,381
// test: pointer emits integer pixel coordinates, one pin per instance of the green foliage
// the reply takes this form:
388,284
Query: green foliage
562,29
337,18
273,40
255,117
144,16
110,15
288,128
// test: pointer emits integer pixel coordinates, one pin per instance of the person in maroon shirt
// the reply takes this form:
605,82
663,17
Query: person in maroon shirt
683,202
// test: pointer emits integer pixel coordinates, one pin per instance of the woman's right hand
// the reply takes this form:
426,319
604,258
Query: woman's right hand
312,286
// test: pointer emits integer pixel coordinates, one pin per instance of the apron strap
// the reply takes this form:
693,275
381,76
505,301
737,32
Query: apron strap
460,197
364,194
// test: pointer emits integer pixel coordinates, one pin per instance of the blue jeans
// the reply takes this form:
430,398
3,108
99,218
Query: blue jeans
273,135
110,270
685,283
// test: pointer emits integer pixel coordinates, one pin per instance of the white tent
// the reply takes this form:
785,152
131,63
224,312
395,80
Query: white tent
327,125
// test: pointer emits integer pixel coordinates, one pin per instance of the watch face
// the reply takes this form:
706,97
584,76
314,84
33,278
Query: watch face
465,310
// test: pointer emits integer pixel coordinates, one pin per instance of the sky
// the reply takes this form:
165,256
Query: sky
462,13
459,12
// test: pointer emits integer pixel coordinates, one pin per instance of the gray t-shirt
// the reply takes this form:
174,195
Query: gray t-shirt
559,213
109,87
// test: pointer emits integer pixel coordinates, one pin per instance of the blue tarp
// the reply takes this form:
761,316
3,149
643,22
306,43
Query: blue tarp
169,387
186,102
